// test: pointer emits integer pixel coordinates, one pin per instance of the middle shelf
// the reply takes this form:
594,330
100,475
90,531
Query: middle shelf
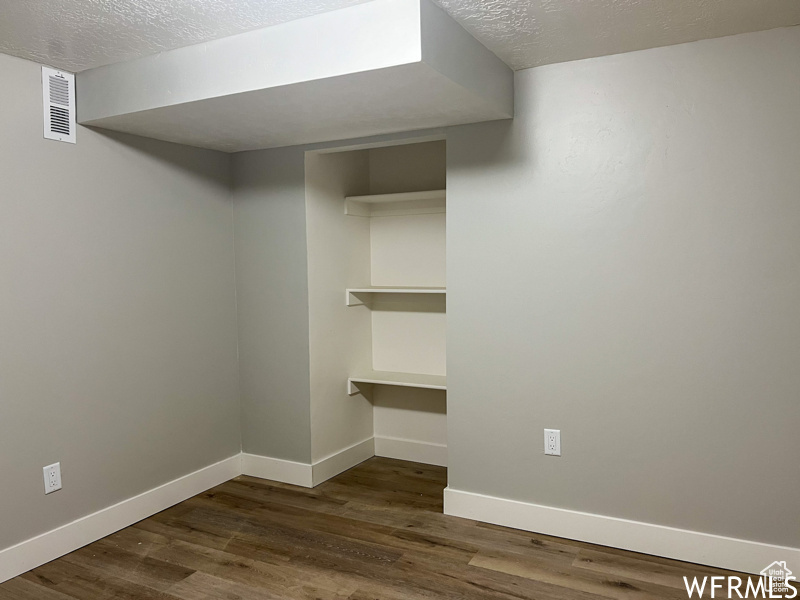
355,296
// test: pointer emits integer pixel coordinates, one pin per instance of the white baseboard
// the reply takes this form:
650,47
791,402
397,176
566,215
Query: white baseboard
422,452
311,475
48,546
341,461
304,474
276,469
659,540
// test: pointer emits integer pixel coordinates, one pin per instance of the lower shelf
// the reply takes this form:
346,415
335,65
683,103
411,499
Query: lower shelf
415,380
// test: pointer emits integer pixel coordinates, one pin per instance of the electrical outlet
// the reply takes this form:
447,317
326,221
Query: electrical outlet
52,478
552,442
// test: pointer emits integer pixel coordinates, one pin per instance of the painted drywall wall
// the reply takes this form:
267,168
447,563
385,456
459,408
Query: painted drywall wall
118,327
272,296
340,341
624,265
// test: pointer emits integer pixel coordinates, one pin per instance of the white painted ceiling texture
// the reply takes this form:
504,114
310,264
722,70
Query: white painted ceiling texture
81,34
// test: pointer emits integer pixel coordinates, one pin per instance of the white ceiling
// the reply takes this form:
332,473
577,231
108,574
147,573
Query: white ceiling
80,34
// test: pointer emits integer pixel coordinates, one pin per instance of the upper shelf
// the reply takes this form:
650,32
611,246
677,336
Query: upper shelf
352,296
415,380
404,203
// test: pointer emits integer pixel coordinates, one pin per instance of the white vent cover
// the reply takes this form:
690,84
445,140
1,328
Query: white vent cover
58,94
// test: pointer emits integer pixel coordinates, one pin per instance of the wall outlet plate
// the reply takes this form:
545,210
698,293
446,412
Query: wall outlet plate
52,478
552,442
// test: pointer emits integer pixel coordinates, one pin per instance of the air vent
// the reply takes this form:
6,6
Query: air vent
58,94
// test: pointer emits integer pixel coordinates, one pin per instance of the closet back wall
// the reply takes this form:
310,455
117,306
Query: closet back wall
118,331
410,423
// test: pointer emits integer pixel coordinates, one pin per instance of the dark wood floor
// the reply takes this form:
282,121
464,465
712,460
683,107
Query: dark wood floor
374,532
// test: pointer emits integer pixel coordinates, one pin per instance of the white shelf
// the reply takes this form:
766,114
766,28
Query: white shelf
414,380
389,205
400,197
351,295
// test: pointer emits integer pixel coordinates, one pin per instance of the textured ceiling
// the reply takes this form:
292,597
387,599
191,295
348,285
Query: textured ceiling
75,35
80,34
529,33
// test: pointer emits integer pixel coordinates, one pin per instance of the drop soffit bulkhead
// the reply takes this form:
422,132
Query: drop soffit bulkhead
380,67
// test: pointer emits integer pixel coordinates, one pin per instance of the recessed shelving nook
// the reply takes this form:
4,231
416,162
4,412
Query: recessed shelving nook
376,229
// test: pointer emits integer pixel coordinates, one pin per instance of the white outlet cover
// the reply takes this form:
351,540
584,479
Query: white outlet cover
552,442
52,478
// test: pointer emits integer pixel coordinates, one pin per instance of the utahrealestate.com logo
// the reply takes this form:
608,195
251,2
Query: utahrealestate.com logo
773,583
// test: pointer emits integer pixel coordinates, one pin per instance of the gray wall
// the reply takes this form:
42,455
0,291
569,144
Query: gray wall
624,265
118,329
272,293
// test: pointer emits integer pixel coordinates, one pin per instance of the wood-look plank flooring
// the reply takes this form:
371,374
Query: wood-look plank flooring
374,532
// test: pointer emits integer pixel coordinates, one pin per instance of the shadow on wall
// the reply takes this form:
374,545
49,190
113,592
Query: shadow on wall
408,303
175,155
421,400
498,148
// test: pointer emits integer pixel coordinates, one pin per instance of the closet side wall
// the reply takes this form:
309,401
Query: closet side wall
340,341
272,296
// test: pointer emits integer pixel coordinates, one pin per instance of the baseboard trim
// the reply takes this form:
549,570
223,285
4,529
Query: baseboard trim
340,461
680,544
304,474
422,452
50,545
276,469
32,553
